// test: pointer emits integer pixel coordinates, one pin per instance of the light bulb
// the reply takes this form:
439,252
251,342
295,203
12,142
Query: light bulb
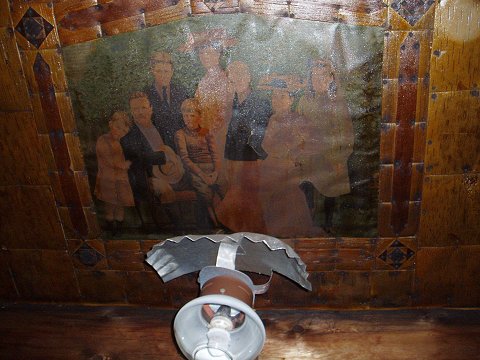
235,332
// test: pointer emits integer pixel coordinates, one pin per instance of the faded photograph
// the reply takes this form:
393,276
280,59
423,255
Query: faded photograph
231,123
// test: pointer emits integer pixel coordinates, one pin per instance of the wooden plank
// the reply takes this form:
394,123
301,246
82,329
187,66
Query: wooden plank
448,276
94,231
54,60
21,151
318,254
385,183
81,179
109,11
419,142
391,53
450,211
72,142
29,218
147,288
355,254
416,182
319,259
453,154
368,336
119,26
392,288
455,62
385,215
33,331
73,35
4,13
66,112
38,114
58,143
385,219
404,136
124,255
342,289
389,100
358,12
453,133
214,7
8,290
87,20
104,286
278,8
454,113
44,275
155,17
387,143
14,88
427,21
182,289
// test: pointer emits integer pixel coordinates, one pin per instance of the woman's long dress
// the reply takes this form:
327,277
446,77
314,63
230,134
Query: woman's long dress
327,168
284,204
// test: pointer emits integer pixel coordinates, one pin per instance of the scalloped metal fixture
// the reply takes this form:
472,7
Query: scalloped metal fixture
220,323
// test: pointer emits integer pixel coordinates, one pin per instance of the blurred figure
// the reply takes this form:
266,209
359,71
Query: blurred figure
241,209
155,169
165,97
196,147
287,141
212,94
112,185
324,106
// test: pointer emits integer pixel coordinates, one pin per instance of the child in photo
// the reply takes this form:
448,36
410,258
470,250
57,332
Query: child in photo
196,147
112,185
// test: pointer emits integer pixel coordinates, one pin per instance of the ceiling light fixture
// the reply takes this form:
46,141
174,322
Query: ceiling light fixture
221,324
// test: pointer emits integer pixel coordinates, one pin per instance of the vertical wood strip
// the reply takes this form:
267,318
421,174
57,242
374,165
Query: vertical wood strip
53,122
404,137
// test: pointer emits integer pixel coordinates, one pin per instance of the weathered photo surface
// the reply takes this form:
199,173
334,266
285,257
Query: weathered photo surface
231,123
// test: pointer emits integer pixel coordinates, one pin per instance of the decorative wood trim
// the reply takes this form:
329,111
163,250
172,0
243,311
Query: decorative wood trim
59,145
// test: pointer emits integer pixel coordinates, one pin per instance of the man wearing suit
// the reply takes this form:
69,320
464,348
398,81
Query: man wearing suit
165,98
145,148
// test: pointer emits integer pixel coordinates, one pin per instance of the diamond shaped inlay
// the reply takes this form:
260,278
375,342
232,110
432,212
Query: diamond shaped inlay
87,255
396,254
411,10
34,27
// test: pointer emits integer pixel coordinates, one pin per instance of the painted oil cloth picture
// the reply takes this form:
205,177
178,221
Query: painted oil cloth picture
231,123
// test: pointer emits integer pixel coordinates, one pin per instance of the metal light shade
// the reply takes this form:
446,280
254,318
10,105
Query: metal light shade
221,324
199,339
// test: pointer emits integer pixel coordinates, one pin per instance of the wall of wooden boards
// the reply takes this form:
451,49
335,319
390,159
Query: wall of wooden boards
428,249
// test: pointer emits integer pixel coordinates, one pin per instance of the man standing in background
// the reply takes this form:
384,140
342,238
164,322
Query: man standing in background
165,98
